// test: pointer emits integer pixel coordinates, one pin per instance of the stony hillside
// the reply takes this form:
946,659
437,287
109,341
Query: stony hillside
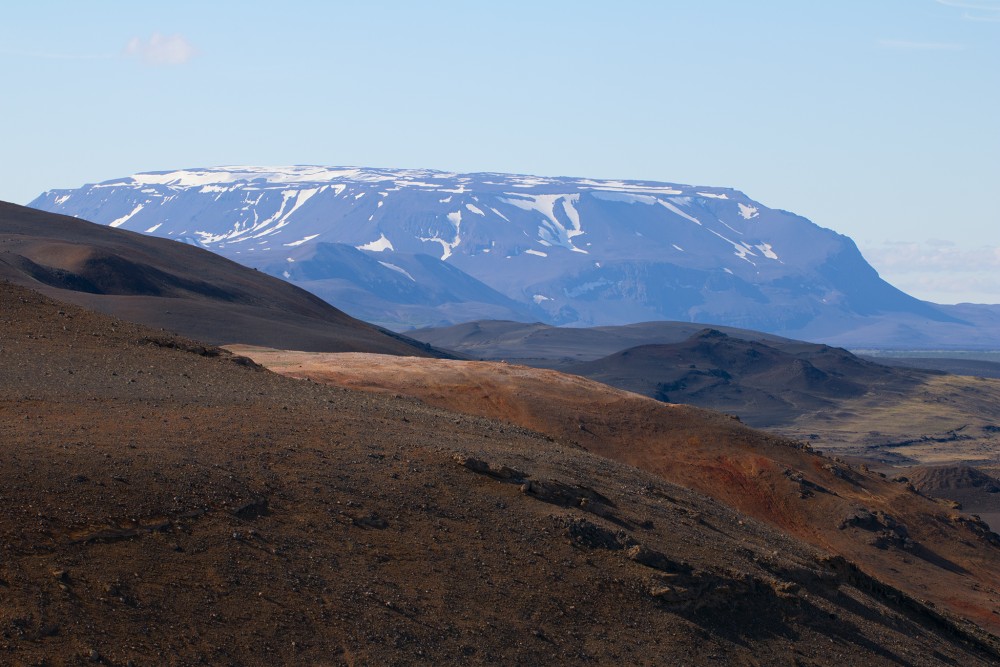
891,532
167,503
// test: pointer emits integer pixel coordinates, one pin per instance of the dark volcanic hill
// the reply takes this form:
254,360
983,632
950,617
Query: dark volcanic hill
974,490
545,346
166,505
763,384
172,285
765,379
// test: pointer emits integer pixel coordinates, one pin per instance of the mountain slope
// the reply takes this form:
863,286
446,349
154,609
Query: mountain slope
388,290
175,286
892,533
199,511
583,251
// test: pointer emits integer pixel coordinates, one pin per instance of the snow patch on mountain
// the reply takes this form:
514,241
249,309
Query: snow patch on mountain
448,247
624,197
397,269
380,244
306,239
552,230
118,222
673,209
766,250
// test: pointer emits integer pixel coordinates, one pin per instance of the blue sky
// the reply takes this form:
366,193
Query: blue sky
876,118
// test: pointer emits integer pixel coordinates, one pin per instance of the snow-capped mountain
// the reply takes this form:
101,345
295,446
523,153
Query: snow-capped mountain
565,250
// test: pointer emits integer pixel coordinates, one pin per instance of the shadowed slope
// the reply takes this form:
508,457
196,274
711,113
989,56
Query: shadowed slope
762,383
175,286
546,346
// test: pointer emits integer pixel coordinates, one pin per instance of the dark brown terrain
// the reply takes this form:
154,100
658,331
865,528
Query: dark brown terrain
175,286
912,542
546,346
168,503
761,383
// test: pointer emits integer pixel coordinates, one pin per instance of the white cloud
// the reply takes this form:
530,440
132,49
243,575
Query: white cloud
907,45
161,50
983,5
939,270
932,256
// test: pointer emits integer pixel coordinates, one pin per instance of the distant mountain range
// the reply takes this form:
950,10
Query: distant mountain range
411,248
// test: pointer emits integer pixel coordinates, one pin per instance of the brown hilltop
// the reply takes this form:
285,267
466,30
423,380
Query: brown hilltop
893,533
167,503
163,283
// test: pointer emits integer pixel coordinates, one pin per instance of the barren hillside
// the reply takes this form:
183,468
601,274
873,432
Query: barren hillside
893,533
165,503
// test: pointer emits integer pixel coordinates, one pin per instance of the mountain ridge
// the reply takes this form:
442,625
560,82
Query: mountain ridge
569,251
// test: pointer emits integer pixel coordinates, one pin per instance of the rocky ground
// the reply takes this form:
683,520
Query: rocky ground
921,545
169,503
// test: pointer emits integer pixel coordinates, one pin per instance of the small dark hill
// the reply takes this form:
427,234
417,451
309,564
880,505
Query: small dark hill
545,346
162,283
763,384
975,491
940,480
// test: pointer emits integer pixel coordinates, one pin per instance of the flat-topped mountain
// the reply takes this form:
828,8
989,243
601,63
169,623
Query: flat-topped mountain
562,250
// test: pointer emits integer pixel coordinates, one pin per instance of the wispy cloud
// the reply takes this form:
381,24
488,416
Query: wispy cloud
939,270
934,255
980,6
981,10
907,45
161,49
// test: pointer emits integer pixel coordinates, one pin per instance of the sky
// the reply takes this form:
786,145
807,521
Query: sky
879,119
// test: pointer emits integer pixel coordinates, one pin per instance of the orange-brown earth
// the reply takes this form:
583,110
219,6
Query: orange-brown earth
922,546
167,503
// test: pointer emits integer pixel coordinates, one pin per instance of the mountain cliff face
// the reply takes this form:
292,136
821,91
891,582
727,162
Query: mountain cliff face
567,251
